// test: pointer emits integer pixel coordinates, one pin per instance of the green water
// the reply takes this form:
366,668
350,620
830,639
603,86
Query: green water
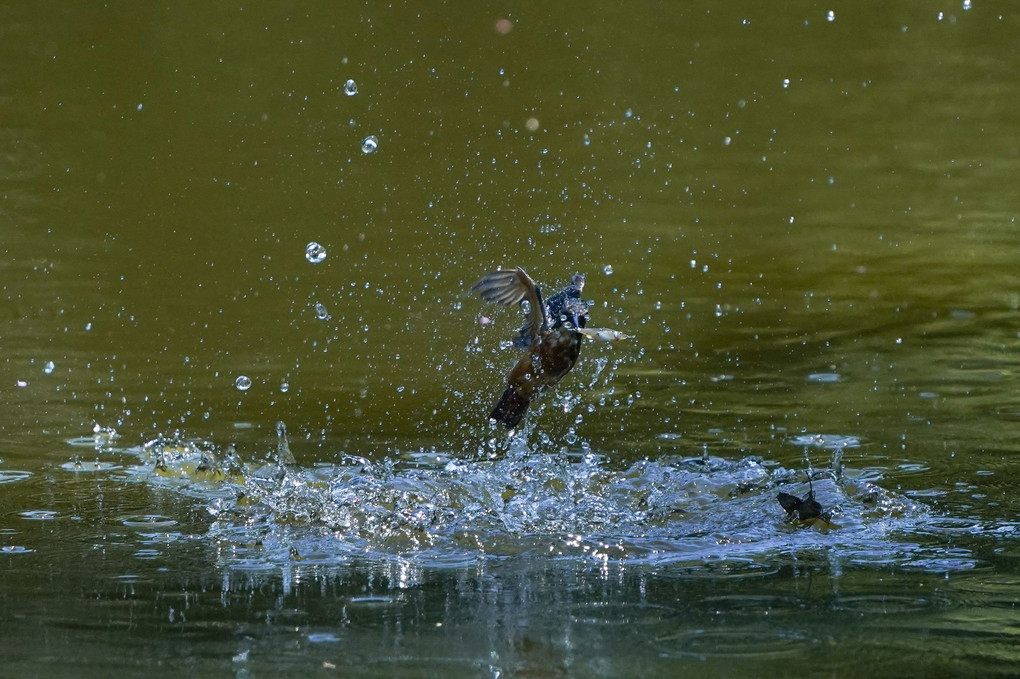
807,221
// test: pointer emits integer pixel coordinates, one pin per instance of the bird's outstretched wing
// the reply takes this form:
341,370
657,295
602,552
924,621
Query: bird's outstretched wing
513,286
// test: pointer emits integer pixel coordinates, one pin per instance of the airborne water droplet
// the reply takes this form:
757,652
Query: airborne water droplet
350,88
315,253
369,144
243,383
48,368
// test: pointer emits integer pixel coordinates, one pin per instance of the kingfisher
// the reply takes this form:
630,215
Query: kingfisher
551,336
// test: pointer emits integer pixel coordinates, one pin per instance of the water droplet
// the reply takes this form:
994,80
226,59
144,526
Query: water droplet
966,5
608,269
243,383
321,312
350,88
369,144
315,253
831,16
786,83
49,367
285,386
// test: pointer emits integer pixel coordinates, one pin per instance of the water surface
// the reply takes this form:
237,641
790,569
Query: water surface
806,216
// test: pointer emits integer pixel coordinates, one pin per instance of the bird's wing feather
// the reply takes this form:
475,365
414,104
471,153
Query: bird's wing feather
513,286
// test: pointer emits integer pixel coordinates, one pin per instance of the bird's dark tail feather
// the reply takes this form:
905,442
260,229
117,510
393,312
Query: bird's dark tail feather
511,408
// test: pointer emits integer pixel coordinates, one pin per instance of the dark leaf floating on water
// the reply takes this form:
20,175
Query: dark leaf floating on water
803,509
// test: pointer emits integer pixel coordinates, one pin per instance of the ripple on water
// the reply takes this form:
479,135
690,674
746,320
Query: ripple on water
430,458
732,569
754,604
369,601
148,521
87,466
734,643
962,560
991,589
13,475
82,442
322,638
39,515
621,613
15,549
412,666
148,554
829,441
949,524
883,604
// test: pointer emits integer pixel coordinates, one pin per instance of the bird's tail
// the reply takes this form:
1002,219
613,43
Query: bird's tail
511,408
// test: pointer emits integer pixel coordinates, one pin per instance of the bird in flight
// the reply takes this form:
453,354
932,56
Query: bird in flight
551,336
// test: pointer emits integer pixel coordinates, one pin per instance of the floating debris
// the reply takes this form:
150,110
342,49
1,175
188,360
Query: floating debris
804,509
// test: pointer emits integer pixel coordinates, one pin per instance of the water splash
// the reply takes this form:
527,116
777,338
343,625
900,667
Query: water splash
315,253
432,507
369,144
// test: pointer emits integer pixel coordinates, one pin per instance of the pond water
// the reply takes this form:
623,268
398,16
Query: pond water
244,381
